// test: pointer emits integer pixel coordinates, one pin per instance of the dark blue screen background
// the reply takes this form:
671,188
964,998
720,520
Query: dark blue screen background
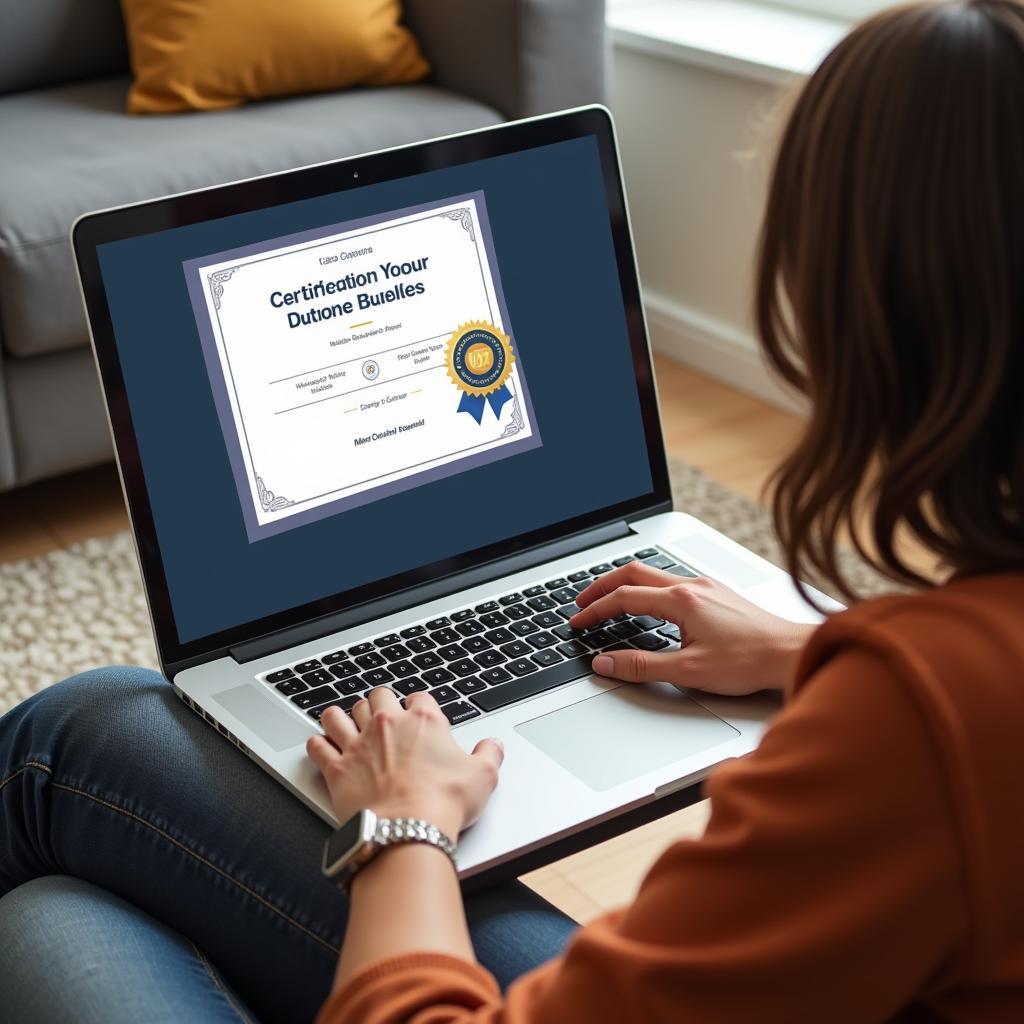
556,260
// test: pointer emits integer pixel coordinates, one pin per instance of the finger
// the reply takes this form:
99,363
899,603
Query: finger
642,667
381,697
634,574
661,602
361,713
425,701
339,727
322,753
491,751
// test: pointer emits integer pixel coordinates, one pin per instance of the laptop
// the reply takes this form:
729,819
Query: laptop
378,422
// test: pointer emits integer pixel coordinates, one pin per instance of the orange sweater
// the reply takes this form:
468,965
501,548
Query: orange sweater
866,863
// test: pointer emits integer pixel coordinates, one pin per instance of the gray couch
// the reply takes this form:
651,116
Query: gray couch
67,146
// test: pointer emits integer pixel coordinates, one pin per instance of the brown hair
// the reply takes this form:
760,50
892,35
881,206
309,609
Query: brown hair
890,290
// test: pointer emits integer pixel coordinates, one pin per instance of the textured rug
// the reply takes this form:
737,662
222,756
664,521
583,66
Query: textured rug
83,606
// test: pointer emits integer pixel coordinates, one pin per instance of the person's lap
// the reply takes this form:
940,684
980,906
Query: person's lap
186,846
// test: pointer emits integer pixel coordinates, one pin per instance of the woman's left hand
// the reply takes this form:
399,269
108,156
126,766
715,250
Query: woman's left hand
403,763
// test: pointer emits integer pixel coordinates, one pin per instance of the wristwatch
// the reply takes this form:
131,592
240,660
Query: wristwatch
350,848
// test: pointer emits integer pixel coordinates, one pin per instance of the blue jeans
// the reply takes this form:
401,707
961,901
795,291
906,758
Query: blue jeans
149,871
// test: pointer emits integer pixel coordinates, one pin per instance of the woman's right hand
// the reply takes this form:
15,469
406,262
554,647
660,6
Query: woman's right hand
730,645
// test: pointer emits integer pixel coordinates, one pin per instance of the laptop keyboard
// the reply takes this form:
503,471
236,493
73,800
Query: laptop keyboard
482,658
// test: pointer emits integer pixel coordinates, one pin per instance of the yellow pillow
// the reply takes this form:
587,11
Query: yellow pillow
210,54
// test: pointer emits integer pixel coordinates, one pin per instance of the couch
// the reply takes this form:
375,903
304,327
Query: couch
67,146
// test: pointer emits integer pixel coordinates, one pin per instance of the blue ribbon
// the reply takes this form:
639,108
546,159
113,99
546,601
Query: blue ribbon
474,404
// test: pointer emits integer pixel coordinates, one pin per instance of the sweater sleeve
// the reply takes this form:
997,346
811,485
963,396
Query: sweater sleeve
826,887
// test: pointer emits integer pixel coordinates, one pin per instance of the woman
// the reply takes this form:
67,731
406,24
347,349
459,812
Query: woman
862,865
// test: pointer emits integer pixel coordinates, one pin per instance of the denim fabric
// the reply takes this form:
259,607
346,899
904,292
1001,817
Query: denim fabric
200,867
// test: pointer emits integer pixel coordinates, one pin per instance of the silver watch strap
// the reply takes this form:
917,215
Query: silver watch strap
391,831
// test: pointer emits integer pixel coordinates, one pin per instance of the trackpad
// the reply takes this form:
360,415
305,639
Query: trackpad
626,732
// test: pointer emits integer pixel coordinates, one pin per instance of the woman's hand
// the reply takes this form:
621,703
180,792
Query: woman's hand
731,646
403,763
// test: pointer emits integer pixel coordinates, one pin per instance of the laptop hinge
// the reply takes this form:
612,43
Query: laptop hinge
286,638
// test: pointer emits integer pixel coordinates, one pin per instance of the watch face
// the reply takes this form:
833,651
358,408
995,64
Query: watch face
348,839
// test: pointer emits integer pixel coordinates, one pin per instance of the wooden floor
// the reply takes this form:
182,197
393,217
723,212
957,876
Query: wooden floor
734,438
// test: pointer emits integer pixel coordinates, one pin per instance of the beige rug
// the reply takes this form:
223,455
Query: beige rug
83,606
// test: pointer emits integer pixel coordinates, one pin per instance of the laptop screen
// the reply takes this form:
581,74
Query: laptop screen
331,392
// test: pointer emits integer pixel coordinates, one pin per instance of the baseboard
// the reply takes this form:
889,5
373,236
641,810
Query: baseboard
715,348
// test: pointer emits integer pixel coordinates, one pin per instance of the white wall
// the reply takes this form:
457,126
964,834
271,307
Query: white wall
695,151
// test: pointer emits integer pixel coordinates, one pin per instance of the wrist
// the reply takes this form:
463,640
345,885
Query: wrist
784,652
446,818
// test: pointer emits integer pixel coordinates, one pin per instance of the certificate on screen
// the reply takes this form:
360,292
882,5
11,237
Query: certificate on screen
360,359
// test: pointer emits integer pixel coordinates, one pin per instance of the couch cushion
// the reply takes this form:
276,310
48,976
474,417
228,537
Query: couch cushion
73,149
43,42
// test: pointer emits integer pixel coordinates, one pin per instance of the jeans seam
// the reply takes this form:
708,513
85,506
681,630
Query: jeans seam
203,860
24,768
212,975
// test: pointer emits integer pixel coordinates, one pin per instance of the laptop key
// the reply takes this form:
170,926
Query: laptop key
649,642
578,577
517,611
567,611
402,669
660,561
428,659
475,644
444,694
534,591
523,627
446,635
573,649
395,652
318,678
671,631
499,636
346,704
624,630
493,619
371,660
461,616
279,676
545,658
556,584
580,587
459,711
682,570
516,649
529,686
514,598
437,676
378,677
598,638
311,698
351,685
600,570
563,595
624,560
410,631
387,640
307,666
565,631
646,553
487,606
648,622
334,657
463,667
544,639
439,623
474,684
493,676
420,644
360,649
451,652
292,686
413,685
470,627
521,667
487,659
541,604
345,670
547,619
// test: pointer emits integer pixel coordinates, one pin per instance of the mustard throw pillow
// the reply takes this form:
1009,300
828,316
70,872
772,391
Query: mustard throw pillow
210,54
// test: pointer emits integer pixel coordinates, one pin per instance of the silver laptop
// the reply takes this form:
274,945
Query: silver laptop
378,421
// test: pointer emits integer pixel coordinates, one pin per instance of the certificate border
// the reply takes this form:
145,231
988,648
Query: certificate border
260,531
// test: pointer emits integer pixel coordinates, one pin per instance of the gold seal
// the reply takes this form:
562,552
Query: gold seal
479,358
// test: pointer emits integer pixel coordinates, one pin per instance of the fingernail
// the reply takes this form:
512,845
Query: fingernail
602,664
498,743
